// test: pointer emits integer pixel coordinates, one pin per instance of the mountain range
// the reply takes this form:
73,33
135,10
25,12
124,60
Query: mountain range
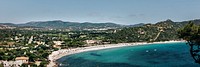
58,24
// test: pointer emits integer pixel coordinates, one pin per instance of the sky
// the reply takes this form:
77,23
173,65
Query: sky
99,11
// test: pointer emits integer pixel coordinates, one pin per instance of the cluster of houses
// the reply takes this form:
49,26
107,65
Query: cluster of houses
17,63
6,27
31,40
58,44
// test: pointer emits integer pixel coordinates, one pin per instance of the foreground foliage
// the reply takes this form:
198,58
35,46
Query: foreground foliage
191,33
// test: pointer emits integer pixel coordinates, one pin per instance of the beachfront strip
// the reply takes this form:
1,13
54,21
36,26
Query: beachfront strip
64,52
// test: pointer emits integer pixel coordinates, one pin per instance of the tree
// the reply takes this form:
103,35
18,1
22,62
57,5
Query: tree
45,55
33,65
31,57
24,65
43,64
191,33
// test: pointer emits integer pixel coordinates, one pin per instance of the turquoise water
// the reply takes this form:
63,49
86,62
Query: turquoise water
153,55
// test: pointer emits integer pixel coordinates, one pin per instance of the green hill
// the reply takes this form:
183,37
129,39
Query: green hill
71,25
161,31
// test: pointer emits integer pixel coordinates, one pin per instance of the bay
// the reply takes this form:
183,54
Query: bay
151,55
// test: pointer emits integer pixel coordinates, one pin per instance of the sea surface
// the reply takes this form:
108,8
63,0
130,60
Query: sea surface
152,55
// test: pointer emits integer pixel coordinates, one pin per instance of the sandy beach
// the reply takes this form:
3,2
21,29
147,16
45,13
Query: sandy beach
63,52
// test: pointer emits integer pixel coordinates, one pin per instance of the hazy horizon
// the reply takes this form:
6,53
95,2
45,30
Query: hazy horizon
124,12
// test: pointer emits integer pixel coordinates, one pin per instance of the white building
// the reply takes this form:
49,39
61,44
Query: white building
93,41
17,63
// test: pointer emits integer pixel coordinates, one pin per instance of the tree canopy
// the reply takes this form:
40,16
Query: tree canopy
190,32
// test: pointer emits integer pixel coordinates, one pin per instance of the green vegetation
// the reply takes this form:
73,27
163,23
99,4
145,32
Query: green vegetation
190,32
58,24
38,44
162,31
24,65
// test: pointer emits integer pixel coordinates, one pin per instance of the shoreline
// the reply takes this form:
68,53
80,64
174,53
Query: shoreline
64,52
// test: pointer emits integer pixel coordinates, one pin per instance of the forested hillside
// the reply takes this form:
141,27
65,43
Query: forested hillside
161,31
